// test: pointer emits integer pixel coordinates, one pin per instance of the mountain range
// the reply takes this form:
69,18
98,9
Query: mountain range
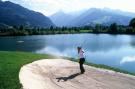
91,16
13,15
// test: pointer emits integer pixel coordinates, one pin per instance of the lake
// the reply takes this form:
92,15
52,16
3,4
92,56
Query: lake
113,50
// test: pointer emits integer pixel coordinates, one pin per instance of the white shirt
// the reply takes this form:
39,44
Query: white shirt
81,54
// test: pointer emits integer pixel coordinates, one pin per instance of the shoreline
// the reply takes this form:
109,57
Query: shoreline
106,67
66,34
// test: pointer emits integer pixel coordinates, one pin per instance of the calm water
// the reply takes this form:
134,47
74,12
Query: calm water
113,50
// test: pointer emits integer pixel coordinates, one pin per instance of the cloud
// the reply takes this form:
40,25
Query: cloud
55,51
51,50
49,7
127,59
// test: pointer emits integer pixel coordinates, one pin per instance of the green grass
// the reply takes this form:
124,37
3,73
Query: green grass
10,64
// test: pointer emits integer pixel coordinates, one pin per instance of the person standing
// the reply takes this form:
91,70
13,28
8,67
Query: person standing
81,59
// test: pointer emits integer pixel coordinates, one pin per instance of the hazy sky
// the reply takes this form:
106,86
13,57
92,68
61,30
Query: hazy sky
49,7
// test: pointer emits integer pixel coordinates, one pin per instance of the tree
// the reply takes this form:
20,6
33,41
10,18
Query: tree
21,28
113,28
98,28
132,23
51,28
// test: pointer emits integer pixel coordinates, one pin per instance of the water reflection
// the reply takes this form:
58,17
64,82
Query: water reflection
55,51
127,59
112,50
132,43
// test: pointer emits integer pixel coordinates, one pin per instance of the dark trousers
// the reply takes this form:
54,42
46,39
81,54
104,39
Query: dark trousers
81,62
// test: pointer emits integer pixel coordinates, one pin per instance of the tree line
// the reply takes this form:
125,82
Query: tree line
98,28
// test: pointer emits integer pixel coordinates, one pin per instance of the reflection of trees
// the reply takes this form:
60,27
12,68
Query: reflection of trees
7,44
132,42
31,43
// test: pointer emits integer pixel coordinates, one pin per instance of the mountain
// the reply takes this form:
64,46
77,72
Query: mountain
92,16
61,19
117,11
99,16
14,14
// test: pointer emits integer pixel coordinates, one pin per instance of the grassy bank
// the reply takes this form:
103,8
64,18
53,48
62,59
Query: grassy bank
10,64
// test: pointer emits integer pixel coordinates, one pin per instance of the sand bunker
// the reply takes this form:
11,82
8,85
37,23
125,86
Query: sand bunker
65,74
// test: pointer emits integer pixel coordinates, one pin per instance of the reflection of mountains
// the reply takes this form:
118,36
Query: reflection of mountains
104,43
128,66
132,42
89,42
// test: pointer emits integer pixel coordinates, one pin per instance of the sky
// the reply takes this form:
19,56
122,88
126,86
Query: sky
49,7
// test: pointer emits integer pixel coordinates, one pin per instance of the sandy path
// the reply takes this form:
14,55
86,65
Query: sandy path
64,74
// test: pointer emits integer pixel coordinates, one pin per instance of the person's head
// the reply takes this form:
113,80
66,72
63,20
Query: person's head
79,48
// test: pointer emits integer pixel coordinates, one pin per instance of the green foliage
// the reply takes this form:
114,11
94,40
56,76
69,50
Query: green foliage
98,28
113,28
132,23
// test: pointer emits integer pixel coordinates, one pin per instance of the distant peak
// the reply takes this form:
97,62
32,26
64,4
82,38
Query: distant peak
7,2
61,11
1,1
106,8
94,8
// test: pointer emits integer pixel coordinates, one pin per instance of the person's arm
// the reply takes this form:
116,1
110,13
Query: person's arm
83,51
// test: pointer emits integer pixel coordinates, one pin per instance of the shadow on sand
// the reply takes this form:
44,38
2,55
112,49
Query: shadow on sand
68,78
